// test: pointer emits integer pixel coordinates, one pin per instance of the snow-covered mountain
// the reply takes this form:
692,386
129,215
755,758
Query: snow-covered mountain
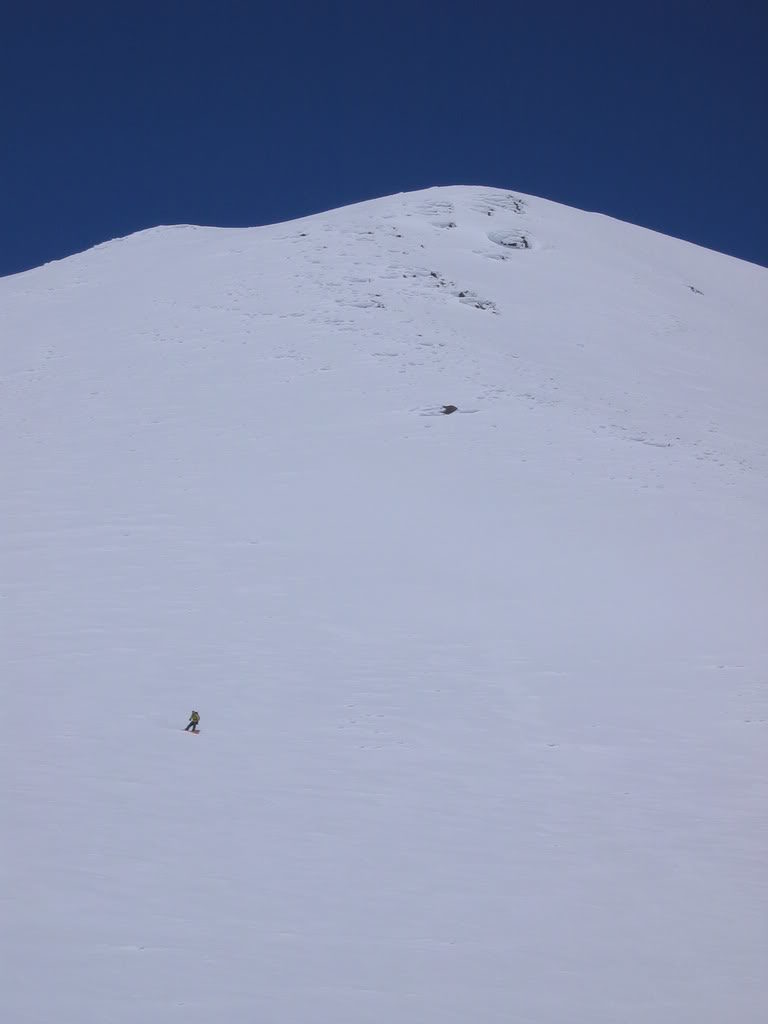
482,695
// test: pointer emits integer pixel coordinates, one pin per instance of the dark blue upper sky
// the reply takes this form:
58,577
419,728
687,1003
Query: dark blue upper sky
116,117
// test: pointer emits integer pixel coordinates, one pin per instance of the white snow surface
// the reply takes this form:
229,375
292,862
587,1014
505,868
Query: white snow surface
483,695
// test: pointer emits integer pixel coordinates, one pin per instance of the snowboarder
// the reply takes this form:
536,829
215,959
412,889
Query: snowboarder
194,718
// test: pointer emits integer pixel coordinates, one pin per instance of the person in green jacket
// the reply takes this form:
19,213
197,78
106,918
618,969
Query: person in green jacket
194,718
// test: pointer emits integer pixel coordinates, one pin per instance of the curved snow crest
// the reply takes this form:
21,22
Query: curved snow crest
455,207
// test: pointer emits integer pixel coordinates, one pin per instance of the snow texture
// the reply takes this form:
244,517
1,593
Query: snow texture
483,695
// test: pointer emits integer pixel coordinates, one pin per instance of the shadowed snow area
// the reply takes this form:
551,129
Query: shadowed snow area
482,697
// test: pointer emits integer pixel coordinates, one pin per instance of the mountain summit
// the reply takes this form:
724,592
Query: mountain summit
480,694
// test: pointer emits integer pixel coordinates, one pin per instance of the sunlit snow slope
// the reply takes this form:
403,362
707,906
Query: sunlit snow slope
483,695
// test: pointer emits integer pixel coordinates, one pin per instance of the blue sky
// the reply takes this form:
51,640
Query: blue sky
115,118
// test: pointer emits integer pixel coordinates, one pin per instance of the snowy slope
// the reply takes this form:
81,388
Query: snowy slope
483,695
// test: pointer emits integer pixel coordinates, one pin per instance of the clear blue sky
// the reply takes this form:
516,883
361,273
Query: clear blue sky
116,117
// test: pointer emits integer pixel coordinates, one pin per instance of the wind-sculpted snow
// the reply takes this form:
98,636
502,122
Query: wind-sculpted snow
482,695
